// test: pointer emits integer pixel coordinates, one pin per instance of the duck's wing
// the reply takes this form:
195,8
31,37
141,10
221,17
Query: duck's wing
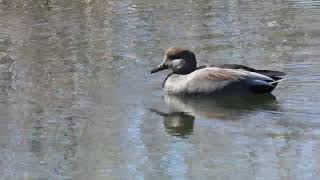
229,81
270,73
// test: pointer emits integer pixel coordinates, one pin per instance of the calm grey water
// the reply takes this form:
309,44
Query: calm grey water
77,102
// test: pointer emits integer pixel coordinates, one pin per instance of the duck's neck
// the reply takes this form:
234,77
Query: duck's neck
187,70
167,78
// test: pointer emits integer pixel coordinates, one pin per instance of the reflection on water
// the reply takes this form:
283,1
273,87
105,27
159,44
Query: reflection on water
179,120
177,123
220,107
75,96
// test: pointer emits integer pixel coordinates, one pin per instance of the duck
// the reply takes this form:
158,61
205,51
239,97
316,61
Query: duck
187,78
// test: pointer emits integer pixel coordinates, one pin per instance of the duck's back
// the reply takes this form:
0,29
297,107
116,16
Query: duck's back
214,80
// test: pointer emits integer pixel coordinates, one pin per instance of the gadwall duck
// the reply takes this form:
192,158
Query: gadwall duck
227,79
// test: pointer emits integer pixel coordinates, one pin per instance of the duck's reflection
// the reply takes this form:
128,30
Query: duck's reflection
231,108
179,120
177,123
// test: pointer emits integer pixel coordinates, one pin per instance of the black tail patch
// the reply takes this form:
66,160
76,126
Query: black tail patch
261,89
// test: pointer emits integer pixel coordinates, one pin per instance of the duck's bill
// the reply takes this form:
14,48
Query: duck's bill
159,68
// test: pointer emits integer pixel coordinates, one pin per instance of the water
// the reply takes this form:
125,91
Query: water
77,101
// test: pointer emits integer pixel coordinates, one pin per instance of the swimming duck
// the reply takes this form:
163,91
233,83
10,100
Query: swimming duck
228,79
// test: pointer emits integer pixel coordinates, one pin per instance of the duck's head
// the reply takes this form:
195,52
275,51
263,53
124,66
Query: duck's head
179,60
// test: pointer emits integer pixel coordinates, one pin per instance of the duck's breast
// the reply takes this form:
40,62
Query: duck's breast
175,84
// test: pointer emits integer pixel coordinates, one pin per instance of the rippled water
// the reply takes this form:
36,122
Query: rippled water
77,102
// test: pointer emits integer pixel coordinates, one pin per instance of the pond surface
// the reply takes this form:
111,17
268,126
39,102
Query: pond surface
77,102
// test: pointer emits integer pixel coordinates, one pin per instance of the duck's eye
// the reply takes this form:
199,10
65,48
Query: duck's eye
178,63
179,67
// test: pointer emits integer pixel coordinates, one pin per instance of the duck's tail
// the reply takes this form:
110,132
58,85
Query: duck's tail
276,82
263,87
